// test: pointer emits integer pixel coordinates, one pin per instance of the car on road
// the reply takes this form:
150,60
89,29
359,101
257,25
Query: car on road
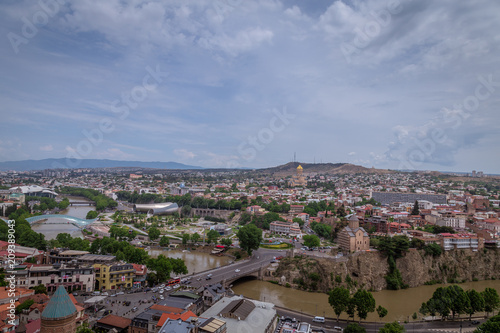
475,322
161,297
162,286
338,329
135,308
120,293
126,303
237,270
167,288
162,291
176,286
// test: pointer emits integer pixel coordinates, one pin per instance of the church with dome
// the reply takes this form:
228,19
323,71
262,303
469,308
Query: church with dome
298,179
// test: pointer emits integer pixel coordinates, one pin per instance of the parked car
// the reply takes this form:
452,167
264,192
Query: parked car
237,270
134,309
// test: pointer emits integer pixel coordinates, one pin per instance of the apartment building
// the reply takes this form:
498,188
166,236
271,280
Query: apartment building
460,241
114,276
284,228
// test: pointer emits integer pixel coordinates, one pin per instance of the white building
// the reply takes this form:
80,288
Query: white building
284,228
244,315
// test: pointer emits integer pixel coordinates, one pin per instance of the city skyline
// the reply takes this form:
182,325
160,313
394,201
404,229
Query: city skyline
230,84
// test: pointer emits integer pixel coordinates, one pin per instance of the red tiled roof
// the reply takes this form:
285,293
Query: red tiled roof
165,308
115,321
184,316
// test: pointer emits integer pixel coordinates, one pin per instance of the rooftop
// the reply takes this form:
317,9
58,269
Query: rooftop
59,306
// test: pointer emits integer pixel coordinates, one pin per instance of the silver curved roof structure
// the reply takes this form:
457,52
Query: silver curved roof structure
157,208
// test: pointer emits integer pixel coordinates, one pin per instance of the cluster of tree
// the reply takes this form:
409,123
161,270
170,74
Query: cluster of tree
264,221
25,236
101,201
437,229
313,207
47,203
394,248
250,238
91,214
393,327
323,230
163,266
123,250
275,207
122,233
311,240
455,300
214,219
362,303
64,240
491,326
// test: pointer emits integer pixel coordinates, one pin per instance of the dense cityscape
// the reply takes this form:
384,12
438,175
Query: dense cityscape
269,225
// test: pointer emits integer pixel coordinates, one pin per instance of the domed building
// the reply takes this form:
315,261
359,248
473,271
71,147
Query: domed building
353,238
60,314
298,179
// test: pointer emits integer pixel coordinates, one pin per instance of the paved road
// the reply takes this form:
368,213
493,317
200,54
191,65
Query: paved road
260,257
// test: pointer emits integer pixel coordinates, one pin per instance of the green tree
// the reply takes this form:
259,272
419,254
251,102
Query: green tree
491,326
226,242
195,237
415,210
84,329
339,299
476,302
381,311
185,239
250,238
311,241
365,303
153,233
491,300
40,289
393,327
164,241
354,328
433,249
92,214
212,236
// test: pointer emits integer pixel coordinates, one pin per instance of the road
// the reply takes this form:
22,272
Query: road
260,257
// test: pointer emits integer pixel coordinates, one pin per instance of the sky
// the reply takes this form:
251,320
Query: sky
398,84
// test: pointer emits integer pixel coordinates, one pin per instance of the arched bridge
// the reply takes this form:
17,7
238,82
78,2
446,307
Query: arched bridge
78,222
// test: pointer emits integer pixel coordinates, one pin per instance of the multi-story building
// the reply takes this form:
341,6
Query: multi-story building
114,276
71,277
460,241
453,222
284,228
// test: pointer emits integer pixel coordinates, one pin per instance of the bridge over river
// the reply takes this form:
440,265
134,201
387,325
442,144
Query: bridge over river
62,219
227,275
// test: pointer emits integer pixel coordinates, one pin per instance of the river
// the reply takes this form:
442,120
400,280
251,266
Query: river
401,304
195,261
52,227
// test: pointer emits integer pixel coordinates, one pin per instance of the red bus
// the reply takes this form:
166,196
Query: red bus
173,281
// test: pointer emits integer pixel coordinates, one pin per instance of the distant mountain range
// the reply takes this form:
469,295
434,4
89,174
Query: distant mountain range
63,163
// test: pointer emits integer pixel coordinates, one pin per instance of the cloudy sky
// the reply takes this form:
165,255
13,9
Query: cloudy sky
401,84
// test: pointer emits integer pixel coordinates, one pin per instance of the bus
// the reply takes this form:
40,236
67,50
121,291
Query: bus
173,281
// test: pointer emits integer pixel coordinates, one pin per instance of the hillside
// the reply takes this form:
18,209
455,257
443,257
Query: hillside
290,169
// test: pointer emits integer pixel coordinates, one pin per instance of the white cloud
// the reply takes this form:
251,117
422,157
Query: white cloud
47,148
184,154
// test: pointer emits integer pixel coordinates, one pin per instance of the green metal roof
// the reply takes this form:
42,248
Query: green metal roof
185,294
59,306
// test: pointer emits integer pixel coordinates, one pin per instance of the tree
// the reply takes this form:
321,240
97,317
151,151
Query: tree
212,236
354,328
250,238
339,298
458,299
365,303
491,300
476,302
195,237
491,326
416,210
40,289
393,327
311,241
381,311
164,241
226,242
92,214
153,233
185,239
84,329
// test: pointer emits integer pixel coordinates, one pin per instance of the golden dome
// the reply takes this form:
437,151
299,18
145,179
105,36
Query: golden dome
299,167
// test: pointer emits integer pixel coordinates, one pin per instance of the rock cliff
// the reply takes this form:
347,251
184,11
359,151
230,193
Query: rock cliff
368,269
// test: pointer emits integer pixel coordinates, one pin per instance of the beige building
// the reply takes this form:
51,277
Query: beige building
353,238
298,179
